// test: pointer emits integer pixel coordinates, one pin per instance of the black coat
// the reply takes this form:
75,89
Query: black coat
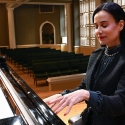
107,95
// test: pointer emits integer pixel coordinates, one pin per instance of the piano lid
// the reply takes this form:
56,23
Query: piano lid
31,105
15,120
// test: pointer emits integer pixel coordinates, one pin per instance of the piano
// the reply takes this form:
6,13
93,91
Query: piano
19,104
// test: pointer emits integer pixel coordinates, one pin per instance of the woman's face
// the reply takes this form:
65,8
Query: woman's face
107,30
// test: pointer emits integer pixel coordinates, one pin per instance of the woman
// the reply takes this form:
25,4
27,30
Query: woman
103,88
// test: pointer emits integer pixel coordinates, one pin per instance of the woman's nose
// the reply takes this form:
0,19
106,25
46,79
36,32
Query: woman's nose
98,30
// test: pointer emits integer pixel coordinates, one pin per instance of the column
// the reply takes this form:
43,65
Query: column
69,27
62,20
11,28
76,24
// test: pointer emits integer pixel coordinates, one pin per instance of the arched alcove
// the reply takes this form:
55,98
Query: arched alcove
47,33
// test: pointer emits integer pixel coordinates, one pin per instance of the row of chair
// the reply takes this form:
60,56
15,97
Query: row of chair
73,61
44,70
23,57
46,62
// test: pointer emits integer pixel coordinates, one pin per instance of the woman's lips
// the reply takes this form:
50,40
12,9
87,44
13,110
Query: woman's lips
101,37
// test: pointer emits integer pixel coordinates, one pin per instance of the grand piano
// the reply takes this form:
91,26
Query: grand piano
19,104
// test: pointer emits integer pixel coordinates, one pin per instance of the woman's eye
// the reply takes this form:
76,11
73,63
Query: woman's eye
104,26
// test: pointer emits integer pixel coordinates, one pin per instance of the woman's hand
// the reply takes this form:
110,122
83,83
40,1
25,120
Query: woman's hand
51,98
69,100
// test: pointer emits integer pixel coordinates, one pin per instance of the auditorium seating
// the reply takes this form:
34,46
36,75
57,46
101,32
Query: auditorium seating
52,69
64,67
58,63
74,65
39,72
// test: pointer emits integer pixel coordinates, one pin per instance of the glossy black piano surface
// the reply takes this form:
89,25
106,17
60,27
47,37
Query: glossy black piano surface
16,120
38,109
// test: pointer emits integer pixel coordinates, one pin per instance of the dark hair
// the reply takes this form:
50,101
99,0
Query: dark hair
116,11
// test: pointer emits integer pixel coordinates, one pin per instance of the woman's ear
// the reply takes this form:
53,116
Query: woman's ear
121,24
